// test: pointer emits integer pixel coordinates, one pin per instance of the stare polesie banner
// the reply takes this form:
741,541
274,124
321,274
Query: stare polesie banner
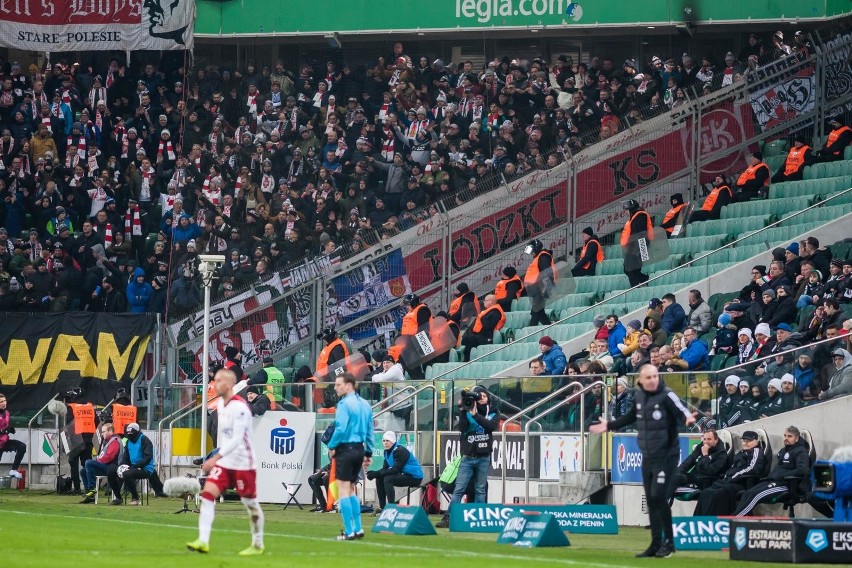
86,25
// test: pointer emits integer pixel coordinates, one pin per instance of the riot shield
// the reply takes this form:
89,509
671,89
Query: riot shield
432,340
679,230
355,364
643,249
468,315
551,285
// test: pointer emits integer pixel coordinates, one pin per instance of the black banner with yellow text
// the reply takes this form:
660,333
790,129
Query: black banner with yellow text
42,355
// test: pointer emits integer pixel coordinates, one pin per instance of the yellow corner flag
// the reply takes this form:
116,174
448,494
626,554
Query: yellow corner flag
332,486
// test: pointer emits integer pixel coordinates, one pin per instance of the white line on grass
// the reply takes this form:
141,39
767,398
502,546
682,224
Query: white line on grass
441,551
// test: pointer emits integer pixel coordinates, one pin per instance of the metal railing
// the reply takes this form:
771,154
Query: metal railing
416,416
568,400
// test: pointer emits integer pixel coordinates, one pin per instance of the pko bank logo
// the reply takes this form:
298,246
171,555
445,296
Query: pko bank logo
740,538
282,440
817,540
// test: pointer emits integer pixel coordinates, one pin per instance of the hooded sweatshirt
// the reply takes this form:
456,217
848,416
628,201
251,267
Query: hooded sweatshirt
840,383
138,294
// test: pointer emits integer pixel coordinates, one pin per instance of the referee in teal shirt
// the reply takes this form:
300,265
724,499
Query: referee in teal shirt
351,448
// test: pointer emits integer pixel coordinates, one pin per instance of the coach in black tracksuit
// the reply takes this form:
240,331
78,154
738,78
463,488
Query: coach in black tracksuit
720,498
658,412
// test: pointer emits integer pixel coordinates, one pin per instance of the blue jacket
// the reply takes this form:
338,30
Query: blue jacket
554,361
804,377
138,294
616,336
407,462
353,423
697,355
674,319
139,454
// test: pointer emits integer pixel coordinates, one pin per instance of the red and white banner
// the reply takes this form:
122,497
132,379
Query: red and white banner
88,25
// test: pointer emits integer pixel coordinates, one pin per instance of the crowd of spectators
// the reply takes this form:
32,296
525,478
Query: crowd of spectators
763,333
268,165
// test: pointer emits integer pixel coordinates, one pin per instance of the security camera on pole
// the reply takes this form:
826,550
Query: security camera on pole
208,264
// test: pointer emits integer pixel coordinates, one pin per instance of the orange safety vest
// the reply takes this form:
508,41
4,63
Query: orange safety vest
212,395
456,304
751,172
710,202
795,160
409,321
122,415
627,231
671,214
322,360
84,418
500,288
834,135
599,257
531,276
477,325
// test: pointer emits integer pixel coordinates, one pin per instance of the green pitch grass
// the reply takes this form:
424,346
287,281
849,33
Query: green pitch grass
47,530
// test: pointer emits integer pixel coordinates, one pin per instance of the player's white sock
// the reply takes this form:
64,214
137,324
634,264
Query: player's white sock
256,519
207,511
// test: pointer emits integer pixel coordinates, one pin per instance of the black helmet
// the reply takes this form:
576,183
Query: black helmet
630,205
412,300
328,334
534,247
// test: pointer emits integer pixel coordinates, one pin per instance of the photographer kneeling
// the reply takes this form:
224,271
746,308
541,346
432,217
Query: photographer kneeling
400,469
476,423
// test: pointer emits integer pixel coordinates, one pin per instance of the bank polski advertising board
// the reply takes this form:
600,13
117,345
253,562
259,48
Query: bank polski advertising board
284,445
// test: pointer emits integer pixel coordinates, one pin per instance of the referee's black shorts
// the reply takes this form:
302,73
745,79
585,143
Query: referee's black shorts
349,459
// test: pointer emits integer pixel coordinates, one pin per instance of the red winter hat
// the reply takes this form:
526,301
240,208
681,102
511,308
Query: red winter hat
546,341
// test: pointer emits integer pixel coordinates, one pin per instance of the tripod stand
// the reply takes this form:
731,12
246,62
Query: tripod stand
186,508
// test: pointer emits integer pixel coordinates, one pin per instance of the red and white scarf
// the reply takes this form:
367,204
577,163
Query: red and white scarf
47,121
81,145
132,222
35,250
99,120
384,110
92,165
416,127
56,110
96,95
251,102
294,119
238,186
125,145
66,96
72,160
267,183
107,235
388,144
110,79
166,145
145,190
238,133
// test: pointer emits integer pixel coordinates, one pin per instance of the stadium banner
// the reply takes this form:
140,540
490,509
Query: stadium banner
284,444
369,288
86,25
783,101
42,355
43,451
226,312
517,460
222,19
492,517
557,454
405,520
627,458
700,533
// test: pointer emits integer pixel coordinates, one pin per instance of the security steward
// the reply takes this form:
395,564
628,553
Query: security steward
273,378
754,181
658,412
719,197
418,318
491,319
400,469
79,431
721,497
465,306
639,223
539,280
798,157
670,219
590,255
335,350
839,137
508,288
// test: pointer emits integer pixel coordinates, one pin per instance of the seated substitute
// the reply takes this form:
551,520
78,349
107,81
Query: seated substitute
400,469
138,456
705,464
720,498
317,481
106,463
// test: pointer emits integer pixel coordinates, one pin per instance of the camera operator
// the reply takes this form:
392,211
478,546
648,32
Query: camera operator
477,422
